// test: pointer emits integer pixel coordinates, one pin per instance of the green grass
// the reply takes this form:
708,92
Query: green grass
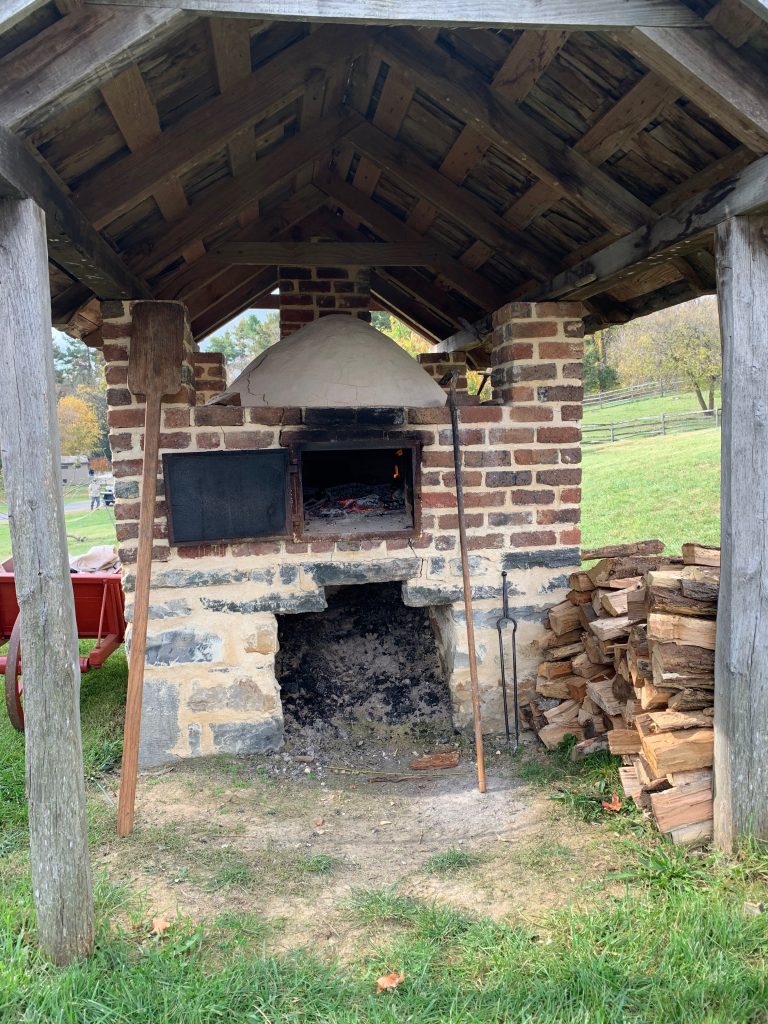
450,861
84,530
665,487
685,401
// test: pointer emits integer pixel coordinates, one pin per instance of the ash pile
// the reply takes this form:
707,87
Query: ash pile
339,502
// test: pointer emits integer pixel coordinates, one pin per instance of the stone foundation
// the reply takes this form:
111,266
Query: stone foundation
210,683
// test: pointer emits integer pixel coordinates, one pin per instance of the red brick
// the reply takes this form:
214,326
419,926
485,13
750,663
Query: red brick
507,478
127,467
562,309
115,332
481,414
557,477
321,547
571,413
452,522
121,442
510,435
495,458
573,371
248,439
560,393
119,396
208,441
423,541
445,543
160,553
510,353
219,416
570,456
485,540
558,435
294,548
175,440
440,460
486,499
175,418
438,500
570,495
397,544
115,353
431,479
430,415
524,497
572,536
536,456
209,358
512,311
468,479
202,550
533,539
529,413
126,531
549,516
469,436
267,417
560,350
573,328
116,374
533,371
509,518
269,547
521,393
531,329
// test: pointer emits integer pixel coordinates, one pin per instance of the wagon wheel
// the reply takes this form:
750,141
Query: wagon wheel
13,683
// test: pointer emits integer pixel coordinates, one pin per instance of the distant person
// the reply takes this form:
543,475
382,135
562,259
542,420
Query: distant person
94,495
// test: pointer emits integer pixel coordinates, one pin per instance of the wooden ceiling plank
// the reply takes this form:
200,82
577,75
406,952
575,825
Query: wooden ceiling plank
356,204
221,313
673,234
760,7
708,70
556,14
14,11
231,45
313,106
74,55
409,309
520,137
327,254
136,116
221,205
124,184
734,21
396,96
72,242
455,202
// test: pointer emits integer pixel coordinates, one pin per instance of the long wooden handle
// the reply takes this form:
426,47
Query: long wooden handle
479,748
138,651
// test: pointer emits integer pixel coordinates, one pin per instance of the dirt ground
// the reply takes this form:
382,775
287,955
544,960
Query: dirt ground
291,836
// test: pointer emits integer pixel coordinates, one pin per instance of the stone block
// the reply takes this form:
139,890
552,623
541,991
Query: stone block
242,694
281,604
159,722
555,558
263,640
248,737
176,608
183,646
345,573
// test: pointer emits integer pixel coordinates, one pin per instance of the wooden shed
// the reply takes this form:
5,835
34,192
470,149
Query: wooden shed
483,161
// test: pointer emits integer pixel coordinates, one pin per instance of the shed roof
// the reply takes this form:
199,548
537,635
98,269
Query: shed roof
586,161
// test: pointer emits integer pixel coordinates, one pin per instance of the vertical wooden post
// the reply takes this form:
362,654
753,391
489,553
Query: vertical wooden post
741,660
29,444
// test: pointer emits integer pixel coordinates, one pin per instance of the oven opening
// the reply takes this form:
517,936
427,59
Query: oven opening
353,491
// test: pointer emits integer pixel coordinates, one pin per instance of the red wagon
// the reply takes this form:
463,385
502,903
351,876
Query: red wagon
100,616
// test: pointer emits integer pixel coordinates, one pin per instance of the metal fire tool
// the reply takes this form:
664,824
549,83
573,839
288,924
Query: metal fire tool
467,583
500,624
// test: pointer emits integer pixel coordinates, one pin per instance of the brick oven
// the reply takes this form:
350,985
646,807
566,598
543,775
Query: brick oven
260,510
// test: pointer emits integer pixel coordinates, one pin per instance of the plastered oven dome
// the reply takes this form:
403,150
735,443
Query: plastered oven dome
335,362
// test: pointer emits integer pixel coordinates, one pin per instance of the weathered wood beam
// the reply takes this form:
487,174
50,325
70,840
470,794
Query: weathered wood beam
189,142
14,11
408,309
712,73
231,44
220,207
74,55
457,203
471,337
734,21
327,254
520,137
72,241
760,7
741,668
29,443
387,226
671,234
243,298
564,14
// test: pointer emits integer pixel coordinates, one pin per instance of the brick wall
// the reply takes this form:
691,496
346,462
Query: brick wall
210,375
210,684
307,293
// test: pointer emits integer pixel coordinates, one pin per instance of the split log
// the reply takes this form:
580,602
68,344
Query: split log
552,688
640,547
652,699
701,583
579,597
692,835
682,805
691,700
552,735
593,652
679,751
583,666
548,640
624,741
697,775
669,721
563,618
699,554
681,629
587,614
619,568
566,712
610,629
555,669
601,693
665,594
581,582
630,783
589,746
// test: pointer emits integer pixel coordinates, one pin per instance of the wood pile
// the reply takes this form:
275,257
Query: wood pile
629,661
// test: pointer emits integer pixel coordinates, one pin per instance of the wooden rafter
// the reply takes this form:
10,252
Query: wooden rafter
708,70
196,136
521,138
248,293
14,11
564,14
77,53
327,254
734,21
219,208
72,242
409,309
390,228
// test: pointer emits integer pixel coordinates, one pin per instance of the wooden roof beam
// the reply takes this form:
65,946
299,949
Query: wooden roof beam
77,53
384,224
712,73
674,233
521,138
327,254
760,7
72,242
222,312
408,309
189,142
14,11
219,207
565,14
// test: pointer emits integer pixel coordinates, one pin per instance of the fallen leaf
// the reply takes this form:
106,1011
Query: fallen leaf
159,925
391,980
318,822
614,804
449,759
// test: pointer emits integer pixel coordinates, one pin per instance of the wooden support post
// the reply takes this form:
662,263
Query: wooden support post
741,669
29,444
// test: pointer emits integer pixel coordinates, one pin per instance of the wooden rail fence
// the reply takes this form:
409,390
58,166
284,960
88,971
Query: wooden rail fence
653,389
650,426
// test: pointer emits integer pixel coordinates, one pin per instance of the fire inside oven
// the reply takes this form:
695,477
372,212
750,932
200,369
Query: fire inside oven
357,490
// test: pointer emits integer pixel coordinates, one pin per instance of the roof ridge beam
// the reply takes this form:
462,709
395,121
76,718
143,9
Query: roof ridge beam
79,52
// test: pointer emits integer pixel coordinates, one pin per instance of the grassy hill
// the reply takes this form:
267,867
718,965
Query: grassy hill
685,401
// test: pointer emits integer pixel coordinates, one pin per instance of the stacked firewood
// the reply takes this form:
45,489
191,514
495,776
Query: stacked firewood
629,667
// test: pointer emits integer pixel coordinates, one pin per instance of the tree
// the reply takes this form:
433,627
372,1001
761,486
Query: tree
598,375
249,338
683,341
80,372
78,426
